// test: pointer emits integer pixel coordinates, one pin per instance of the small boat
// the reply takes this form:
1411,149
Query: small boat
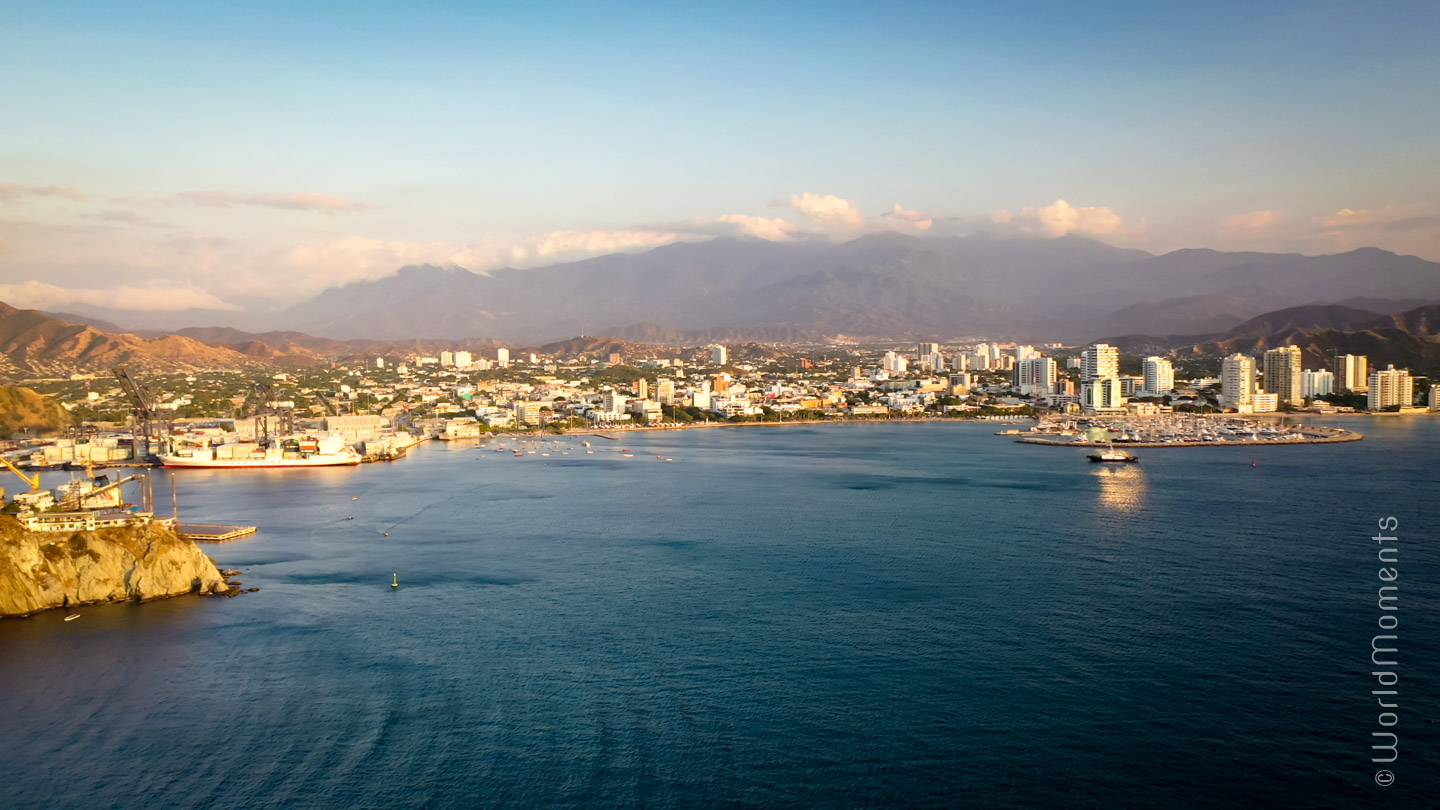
72,617
1113,456
394,580
585,443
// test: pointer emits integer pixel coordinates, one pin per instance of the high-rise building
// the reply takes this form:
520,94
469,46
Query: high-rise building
1159,376
1281,374
447,359
1035,376
960,384
895,363
1317,383
614,401
718,356
1389,388
1102,394
502,358
1434,398
1237,381
665,391
1351,373
379,362
642,388
1098,361
960,362
927,349
1025,353
463,359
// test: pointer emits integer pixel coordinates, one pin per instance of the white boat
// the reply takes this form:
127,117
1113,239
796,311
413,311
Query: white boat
72,617
290,451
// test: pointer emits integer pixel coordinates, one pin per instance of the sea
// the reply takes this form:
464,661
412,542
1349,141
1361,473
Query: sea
850,615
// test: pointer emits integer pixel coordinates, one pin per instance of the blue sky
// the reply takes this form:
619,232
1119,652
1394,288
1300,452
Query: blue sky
271,149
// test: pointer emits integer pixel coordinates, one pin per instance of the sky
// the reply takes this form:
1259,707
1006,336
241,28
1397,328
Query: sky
188,155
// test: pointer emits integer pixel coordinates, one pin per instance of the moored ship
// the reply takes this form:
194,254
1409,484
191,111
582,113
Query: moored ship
290,451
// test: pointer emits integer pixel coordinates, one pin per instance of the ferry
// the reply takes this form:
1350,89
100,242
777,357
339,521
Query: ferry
289,451
1113,456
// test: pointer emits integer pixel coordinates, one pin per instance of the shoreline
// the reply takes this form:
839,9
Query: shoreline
1349,437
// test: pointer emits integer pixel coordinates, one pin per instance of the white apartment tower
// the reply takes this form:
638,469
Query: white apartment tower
502,358
463,359
718,356
665,391
1317,384
1035,375
1390,387
1282,374
1159,376
1237,381
1098,361
895,363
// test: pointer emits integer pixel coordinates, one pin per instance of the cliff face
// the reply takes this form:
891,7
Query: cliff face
43,570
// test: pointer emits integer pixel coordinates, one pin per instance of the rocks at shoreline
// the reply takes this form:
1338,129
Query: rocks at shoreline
46,570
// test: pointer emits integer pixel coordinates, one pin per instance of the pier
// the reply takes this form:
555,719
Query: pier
213,533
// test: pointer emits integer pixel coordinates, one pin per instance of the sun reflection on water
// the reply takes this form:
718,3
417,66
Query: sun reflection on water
1122,488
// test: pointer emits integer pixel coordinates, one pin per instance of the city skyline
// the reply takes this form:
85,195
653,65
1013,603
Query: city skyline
220,156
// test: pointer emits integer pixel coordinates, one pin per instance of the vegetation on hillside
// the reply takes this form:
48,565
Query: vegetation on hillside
23,409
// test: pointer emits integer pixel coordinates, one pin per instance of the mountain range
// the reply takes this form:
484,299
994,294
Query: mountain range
1067,289
886,285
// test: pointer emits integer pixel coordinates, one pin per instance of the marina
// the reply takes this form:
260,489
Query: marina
1187,430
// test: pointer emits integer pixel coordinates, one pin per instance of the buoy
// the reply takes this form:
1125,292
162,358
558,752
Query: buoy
387,534
394,580
355,498
1254,463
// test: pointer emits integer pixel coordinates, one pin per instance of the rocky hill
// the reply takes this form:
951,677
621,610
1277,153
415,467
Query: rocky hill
1406,339
23,409
33,344
44,570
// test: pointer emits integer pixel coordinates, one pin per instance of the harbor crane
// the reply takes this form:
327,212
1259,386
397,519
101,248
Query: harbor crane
267,408
32,481
146,416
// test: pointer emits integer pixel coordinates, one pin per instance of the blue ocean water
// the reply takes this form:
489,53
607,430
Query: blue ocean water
833,616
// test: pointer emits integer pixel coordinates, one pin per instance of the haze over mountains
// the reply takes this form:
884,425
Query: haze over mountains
1068,289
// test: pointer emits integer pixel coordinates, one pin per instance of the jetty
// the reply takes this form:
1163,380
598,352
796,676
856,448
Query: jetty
213,533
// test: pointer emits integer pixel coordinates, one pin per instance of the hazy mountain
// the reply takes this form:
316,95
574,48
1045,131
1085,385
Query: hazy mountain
1068,288
655,334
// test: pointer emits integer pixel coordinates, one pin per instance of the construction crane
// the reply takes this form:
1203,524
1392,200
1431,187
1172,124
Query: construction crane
76,497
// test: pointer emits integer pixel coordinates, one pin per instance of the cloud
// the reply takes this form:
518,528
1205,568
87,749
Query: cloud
826,211
157,296
291,201
1254,223
903,219
1411,228
773,229
1060,218
129,218
306,269
10,192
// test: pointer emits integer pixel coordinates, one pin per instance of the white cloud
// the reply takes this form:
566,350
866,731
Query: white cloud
1254,223
1060,218
827,211
10,192
291,201
773,229
157,296
355,258
1411,228
900,218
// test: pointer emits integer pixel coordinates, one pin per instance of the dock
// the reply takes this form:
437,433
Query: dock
210,533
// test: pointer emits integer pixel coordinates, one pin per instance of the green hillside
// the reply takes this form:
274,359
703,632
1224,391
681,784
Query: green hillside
23,408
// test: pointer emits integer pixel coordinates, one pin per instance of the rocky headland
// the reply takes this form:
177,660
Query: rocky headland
45,570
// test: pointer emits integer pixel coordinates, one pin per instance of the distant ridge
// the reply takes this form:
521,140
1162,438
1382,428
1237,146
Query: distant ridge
1407,339
656,334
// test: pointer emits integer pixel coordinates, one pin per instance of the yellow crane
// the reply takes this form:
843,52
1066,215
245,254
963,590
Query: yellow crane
33,482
